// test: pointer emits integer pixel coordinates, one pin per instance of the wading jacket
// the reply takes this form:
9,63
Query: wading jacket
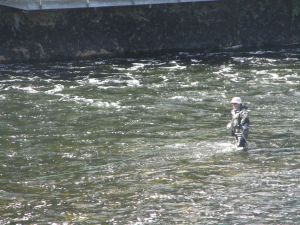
240,120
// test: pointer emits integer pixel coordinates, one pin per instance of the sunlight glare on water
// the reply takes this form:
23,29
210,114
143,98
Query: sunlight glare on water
143,141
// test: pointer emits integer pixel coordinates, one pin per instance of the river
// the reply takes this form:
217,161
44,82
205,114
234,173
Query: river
144,140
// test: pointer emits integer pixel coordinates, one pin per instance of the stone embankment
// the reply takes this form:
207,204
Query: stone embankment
85,33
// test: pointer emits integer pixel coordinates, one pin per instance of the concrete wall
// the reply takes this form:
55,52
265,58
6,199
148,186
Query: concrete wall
84,33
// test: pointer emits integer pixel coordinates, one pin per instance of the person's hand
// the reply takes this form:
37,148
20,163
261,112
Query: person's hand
244,127
228,126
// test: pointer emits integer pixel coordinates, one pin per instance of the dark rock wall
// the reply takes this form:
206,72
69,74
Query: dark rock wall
84,33
268,23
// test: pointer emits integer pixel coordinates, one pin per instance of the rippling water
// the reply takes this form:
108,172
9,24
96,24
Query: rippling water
143,141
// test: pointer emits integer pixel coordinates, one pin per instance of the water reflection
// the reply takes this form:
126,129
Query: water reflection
142,141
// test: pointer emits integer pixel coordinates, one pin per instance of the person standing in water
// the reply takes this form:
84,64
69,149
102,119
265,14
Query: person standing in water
239,124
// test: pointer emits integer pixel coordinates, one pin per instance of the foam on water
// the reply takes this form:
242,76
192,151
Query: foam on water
29,89
88,101
57,88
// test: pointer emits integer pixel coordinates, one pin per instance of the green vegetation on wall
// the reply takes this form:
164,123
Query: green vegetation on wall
295,9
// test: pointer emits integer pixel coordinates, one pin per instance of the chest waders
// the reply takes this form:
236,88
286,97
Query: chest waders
239,133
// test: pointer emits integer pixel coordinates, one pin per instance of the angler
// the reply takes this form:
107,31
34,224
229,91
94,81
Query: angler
239,124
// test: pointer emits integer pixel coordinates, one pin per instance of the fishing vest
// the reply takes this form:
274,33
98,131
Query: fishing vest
239,117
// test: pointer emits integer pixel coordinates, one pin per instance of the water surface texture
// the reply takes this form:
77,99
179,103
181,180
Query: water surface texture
143,141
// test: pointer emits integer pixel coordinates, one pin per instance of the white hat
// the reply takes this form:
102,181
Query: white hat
237,100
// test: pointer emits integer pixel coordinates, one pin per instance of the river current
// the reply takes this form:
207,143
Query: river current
144,140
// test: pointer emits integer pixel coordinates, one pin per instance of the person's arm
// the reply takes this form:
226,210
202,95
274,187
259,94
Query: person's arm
245,119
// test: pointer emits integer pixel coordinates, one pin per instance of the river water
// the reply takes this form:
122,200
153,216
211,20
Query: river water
143,140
